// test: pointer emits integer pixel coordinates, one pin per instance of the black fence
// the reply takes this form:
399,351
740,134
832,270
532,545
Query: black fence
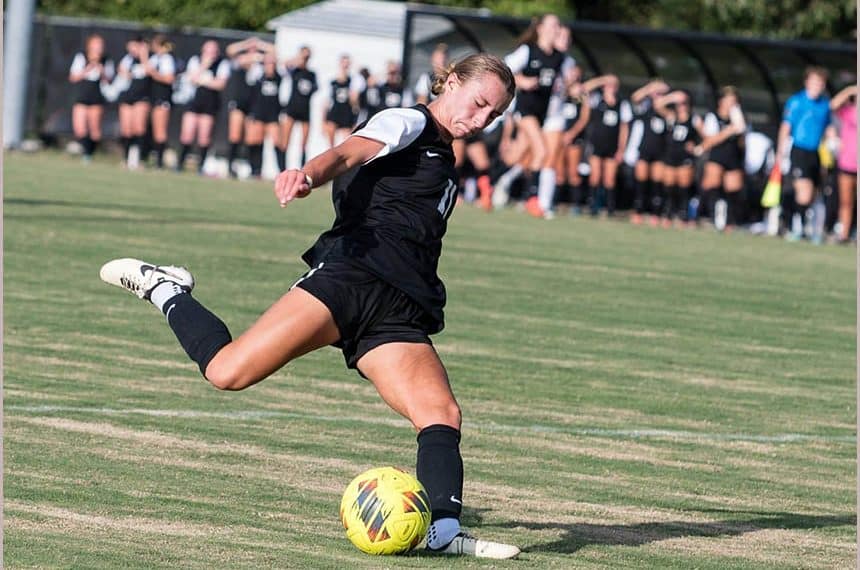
766,72
54,44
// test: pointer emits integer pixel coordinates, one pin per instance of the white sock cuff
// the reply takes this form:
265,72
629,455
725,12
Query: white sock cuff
164,292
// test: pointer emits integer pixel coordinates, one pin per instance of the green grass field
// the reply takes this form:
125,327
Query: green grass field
632,397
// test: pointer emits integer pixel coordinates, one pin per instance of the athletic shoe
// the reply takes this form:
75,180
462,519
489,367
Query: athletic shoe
467,545
141,278
533,207
636,218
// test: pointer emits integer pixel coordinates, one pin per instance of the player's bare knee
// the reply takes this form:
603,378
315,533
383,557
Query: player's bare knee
448,414
225,376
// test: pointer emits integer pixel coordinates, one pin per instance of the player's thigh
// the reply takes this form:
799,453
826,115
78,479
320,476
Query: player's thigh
686,175
641,170
712,176
140,115
847,188
273,133
160,119
671,176
188,128
803,190
574,156
254,132
656,171
733,180
125,114
412,380
596,164
295,325
206,123
477,153
530,129
235,122
287,129
552,142
306,129
610,171
79,120
94,120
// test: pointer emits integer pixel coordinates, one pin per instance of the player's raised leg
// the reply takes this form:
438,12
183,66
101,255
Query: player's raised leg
296,324
412,380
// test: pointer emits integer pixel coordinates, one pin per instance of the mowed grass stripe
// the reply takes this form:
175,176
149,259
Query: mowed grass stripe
604,371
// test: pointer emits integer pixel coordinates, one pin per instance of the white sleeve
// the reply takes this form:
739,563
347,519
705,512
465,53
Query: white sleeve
394,128
109,70
78,64
422,86
125,63
518,59
254,73
568,64
223,71
711,126
594,100
167,65
193,64
408,100
626,112
357,83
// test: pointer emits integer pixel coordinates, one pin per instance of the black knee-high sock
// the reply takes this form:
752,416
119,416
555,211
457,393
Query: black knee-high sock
255,157
684,196
159,154
126,144
658,197
733,203
145,145
534,183
304,157
281,154
186,148
594,196
94,145
708,202
440,470
641,190
234,152
578,194
671,201
200,332
204,150
86,145
610,201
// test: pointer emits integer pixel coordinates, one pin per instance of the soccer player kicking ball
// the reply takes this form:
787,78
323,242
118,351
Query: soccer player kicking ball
372,289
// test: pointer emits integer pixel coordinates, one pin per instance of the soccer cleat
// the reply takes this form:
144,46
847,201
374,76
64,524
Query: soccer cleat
533,207
141,278
467,545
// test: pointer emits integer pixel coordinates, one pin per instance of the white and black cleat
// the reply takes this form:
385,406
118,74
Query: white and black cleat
466,545
140,277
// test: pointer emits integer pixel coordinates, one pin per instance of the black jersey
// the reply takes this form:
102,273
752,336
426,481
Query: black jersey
304,85
392,212
544,66
340,112
605,124
241,85
680,133
370,101
653,142
140,83
265,98
728,153
207,100
165,64
571,111
392,95
88,90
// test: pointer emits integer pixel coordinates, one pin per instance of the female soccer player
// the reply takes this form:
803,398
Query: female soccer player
340,117
576,113
648,171
372,289
90,69
161,68
245,56
134,102
844,107
298,110
608,130
536,63
721,131
678,158
264,113
209,73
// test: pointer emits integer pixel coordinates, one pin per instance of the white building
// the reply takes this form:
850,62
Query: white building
370,31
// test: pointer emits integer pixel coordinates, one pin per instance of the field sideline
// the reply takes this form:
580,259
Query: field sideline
632,397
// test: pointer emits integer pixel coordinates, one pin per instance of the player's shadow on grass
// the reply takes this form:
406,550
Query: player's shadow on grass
579,535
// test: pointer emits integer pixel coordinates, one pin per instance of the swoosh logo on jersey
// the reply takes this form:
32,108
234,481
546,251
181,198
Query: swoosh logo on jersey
433,154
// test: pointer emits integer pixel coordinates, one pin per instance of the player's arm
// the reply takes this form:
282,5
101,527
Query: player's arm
352,152
842,97
517,61
579,125
597,82
647,90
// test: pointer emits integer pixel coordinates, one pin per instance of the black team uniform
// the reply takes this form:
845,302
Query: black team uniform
603,128
341,113
370,101
649,193
679,134
304,84
206,101
530,61
88,92
139,89
162,93
239,90
571,110
730,155
265,106
375,270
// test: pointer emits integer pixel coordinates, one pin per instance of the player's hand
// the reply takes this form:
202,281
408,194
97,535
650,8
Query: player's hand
529,83
289,185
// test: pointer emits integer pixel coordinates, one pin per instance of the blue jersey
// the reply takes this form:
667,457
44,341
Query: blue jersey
808,119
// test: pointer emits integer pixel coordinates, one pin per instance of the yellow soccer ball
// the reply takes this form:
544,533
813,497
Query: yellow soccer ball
385,511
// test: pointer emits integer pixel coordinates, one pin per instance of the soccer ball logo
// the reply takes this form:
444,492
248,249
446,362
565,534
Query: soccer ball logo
385,511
